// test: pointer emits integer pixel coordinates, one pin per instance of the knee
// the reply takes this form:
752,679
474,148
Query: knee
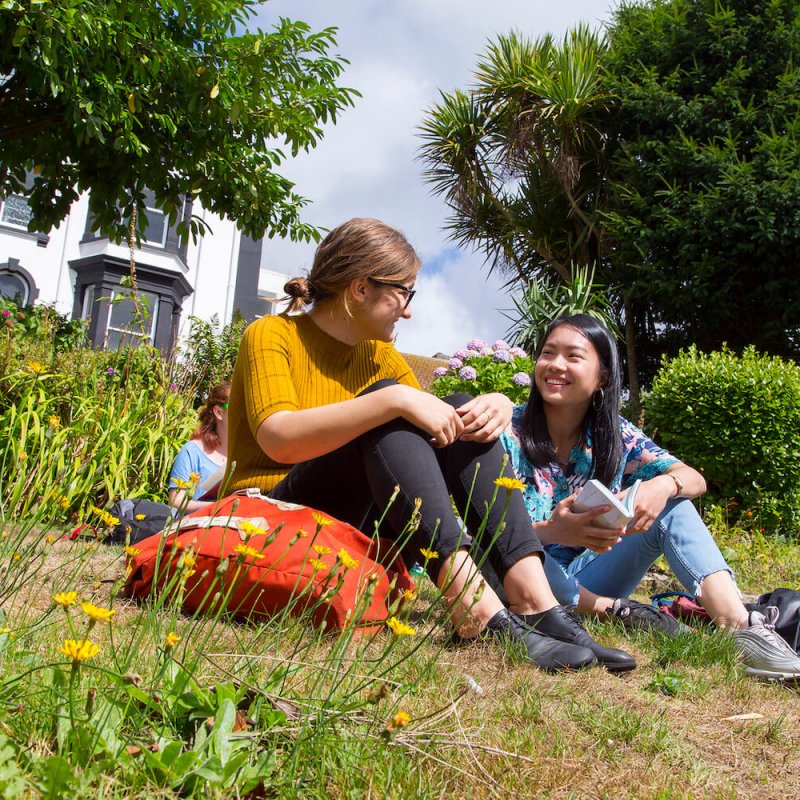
457,400
381,384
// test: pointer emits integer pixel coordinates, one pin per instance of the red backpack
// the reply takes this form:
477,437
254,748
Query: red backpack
259,557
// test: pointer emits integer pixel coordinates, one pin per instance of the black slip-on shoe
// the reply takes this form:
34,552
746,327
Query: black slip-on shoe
565,625
539,649
641,616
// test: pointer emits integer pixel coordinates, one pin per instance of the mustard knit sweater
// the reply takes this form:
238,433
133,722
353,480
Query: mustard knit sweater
288,364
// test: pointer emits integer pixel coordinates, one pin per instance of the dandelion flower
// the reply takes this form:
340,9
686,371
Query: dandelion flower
54,421
132,551
321,549
139,517
428,554
49,538
409,595
171,639
400,628
66,598
348,562
194,477
509,484
248,529
317,564
321,520
400,720
248,552
96,613
79,650
182,484
189,560
36,368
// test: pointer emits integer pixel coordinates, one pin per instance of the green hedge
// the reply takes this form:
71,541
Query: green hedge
737,419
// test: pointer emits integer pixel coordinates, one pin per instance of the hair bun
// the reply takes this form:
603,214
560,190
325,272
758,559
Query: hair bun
300,288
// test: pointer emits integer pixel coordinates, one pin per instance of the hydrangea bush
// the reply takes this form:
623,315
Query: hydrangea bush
481,368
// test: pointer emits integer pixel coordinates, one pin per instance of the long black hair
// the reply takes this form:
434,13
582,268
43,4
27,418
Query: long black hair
603,413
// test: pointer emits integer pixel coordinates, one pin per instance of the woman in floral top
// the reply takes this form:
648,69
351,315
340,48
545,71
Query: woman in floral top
569,432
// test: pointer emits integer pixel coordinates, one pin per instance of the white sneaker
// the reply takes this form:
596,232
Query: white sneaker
764,653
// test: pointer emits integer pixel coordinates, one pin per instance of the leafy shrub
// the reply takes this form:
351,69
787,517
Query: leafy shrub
479,369
86,427
209,352
736,418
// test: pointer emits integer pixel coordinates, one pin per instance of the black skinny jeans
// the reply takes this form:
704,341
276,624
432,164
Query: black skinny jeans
355,482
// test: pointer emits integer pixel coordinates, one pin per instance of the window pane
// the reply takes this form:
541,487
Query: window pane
88,302
122,329
16,211
156,230
13,287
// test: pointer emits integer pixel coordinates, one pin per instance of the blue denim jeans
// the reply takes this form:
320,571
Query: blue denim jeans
678,533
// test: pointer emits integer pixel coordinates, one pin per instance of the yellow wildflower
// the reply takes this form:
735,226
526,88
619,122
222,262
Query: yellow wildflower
194,477
428,554
248,552
301,534
4,534
189,560
248,529
79,650
96,613
66,598
171,639
109,520
348,562
140,517
409,595
182,484
400,628
509,484
36,368
399,720
16,556
321,549
321,520
317,565
4,631
49,538
132,551
54,421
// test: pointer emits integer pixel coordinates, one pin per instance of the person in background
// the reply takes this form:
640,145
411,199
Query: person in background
200,463
329,415
569,432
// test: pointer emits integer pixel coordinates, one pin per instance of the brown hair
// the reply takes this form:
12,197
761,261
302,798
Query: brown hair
359,248
207,429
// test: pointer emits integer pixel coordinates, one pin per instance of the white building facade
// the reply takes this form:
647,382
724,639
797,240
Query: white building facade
81,274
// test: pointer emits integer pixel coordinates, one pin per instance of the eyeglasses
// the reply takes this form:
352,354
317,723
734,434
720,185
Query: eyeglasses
409,293
223,405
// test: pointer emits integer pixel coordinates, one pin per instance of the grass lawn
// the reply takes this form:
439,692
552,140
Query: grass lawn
276,710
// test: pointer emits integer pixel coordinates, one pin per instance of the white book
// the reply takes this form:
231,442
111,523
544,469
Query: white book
595,494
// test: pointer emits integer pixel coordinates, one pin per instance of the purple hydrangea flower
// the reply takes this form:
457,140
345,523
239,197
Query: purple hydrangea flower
521,379
476,344
473,354
486,351
455,363
503,356
462,354
111,371
501,345
440,372
518,352
467,374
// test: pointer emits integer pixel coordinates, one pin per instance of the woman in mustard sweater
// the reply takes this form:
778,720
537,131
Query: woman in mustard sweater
325,412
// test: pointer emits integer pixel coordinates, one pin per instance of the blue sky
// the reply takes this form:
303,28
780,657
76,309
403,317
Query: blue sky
402,53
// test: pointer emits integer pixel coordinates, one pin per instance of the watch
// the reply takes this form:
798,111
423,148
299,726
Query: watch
678,483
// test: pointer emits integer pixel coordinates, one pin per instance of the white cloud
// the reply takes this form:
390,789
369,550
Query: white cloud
401,53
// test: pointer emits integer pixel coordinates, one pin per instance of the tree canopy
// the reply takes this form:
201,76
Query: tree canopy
665,154
173,96
704,186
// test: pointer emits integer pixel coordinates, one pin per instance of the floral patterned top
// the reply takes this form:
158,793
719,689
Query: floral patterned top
547,486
